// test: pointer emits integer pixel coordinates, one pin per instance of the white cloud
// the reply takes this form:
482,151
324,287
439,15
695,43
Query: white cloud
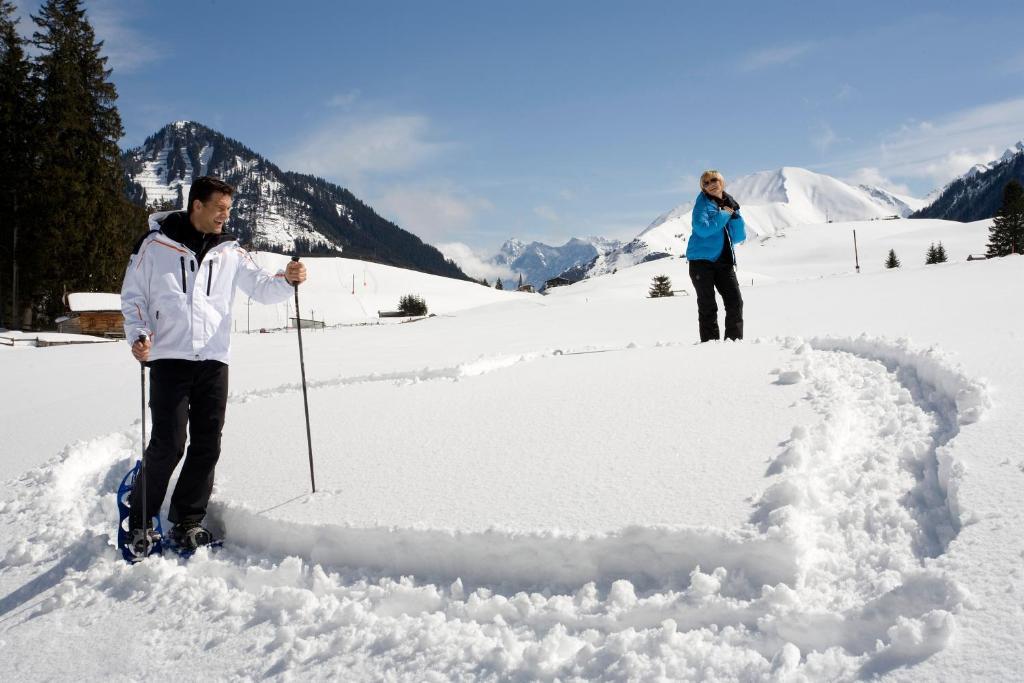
350,149
344,100
687,184
433,212
683,185
941,149
547,213
127,49
845,92
956,163
869,175
473,263
824,138
774,56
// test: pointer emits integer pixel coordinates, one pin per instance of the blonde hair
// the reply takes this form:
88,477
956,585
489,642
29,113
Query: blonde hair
711,173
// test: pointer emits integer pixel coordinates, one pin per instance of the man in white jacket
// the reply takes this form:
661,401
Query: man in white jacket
176,299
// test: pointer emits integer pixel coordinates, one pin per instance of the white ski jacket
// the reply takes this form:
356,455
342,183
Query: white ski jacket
184,306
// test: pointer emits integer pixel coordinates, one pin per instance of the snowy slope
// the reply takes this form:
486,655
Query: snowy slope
900,204
775,200
563,487
349,291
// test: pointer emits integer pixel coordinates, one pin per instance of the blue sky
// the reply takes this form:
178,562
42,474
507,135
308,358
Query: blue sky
473,122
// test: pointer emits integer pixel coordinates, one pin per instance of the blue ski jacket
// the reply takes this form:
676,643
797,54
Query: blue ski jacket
709,223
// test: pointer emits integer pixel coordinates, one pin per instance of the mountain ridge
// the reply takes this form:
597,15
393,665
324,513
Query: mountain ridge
274,210
978,193
539,262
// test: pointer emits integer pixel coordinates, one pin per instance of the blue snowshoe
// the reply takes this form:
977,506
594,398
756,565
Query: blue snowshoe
135,544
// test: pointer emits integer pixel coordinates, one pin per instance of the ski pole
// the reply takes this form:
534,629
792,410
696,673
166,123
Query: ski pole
302,366
142,472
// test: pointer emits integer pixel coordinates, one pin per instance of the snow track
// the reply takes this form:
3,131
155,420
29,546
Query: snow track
830,578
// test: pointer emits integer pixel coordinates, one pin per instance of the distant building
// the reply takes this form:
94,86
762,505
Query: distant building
93,313
306,323
526,288
557,282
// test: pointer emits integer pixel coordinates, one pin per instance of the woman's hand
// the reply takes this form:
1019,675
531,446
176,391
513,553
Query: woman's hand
727,209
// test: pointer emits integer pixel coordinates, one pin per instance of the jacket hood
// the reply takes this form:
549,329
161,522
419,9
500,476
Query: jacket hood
157,219
179,229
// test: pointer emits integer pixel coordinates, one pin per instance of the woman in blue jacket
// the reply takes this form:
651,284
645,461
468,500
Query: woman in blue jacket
717,226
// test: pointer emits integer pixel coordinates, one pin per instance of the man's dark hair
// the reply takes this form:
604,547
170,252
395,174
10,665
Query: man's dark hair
204,187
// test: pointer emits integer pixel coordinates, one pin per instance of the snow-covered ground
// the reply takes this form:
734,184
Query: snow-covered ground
561,487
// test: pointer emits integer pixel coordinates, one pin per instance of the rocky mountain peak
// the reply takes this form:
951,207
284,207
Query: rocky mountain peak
273,210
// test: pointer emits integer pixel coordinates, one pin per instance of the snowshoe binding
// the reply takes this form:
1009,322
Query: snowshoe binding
135,544
188,537
142,543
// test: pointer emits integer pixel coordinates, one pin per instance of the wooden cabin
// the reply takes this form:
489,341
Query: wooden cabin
93,313
556,282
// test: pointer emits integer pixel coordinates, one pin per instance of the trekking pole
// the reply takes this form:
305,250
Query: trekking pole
142,471
302,366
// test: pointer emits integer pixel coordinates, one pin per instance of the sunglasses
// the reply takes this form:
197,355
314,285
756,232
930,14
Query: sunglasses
711,181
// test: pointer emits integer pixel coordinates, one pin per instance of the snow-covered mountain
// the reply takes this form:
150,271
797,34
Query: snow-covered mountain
774,200
539,262
274,210
771,202
902,205
978,193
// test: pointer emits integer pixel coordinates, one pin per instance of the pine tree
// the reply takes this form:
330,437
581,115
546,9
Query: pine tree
931,256
892,261
410,304
86,216
940,254
484,282
1006,236
661,285
498,284
17,164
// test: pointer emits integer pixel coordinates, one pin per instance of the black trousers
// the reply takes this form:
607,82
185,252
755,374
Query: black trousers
182,394
707,276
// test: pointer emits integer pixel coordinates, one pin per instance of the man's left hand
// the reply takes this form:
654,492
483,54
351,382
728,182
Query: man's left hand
295,273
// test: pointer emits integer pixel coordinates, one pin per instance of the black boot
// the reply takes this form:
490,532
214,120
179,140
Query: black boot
190,535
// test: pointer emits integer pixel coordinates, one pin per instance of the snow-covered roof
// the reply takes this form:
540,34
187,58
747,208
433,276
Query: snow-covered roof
94,301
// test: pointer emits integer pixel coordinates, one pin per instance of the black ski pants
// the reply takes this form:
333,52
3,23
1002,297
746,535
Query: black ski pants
190,395
707,276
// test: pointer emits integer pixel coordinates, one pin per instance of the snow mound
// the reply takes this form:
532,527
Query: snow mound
827,579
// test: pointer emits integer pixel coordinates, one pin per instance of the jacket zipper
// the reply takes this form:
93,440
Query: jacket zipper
209,280
728,240
183,288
